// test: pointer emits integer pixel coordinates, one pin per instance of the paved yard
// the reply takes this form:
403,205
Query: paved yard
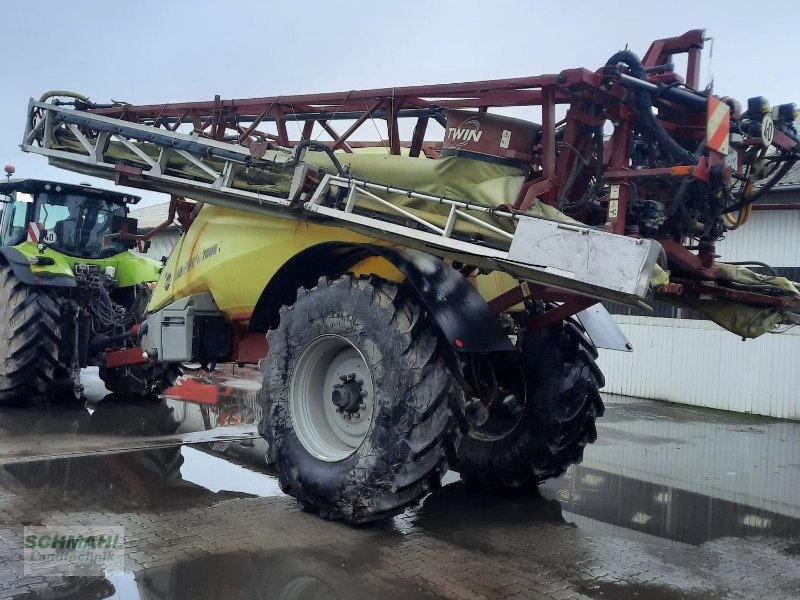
672,502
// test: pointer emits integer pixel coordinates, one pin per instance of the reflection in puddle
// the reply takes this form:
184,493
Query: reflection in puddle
217,474
291,575
660,510
459,505
151,478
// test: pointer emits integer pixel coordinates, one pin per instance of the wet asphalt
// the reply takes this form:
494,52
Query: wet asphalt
671,502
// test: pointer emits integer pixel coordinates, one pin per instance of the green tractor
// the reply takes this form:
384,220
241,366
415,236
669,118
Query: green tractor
70,289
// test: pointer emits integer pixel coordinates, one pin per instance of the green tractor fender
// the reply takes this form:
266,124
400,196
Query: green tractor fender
461,313
58,272
54,275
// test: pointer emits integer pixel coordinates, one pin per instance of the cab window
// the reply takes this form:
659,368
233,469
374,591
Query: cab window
15,221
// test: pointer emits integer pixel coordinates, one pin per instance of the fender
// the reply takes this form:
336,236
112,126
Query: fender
602,329
22,269
460,312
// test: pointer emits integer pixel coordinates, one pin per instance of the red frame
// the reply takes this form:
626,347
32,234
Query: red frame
242,120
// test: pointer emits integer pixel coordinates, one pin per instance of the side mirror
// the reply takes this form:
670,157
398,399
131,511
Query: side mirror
126,229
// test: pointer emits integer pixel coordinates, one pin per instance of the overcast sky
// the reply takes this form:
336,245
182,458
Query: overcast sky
173,50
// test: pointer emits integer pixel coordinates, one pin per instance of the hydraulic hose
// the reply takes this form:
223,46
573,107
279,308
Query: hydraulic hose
773,179
320,147
64,94
643,101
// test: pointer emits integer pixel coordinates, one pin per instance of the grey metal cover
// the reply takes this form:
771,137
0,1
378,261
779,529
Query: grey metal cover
604,260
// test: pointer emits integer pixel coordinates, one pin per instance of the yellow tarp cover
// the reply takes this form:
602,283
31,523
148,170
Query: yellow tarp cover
462,179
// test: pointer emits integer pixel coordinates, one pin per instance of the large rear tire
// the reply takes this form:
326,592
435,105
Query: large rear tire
356,400
562,401
29,338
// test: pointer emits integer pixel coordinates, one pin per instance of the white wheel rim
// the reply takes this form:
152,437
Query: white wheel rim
327,434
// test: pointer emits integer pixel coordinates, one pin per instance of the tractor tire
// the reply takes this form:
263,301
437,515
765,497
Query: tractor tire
562,401
365,347
140,381
29,338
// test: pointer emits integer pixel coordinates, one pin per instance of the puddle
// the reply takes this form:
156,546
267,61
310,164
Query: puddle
217,474
290,575
459,505
660,510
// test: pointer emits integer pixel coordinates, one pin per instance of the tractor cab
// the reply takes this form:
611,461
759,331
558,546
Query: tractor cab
77,220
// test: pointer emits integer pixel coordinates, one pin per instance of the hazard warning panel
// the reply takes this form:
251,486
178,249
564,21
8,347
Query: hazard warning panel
718,125
35,232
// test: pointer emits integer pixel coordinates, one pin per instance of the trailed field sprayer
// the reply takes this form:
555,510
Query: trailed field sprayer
434,304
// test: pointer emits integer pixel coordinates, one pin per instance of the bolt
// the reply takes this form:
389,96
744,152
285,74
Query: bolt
362,406
476,412
513,406
363,393
351,376
342,377
347,416
357,415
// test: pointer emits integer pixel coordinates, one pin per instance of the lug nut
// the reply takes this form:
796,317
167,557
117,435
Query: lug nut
357,415
347,416
342,377
362,406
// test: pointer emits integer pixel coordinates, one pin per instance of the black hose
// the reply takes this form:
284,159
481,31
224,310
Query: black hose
753,263
774,178
322,148
644,107
101,342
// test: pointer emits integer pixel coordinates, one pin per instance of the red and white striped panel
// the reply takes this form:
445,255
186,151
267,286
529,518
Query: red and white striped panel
718,125
35,232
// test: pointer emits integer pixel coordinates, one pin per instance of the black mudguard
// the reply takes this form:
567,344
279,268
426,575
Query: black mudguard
22,269
463,317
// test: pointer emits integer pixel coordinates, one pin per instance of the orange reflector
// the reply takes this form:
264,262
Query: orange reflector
681,171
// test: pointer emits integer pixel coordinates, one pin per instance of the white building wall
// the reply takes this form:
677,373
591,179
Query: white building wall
699,363
162,243
770,236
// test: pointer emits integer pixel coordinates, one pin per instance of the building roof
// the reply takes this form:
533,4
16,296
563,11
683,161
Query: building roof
791,179
151,217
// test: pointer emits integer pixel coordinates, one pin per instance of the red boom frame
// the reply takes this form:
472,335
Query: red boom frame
243,122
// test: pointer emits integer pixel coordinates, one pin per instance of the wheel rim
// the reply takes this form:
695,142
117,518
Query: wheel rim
326,366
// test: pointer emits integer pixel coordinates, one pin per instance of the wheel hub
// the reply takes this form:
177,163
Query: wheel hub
348,396
331,398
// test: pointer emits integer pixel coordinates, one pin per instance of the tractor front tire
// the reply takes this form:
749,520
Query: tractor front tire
29,338
562,401
357,400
